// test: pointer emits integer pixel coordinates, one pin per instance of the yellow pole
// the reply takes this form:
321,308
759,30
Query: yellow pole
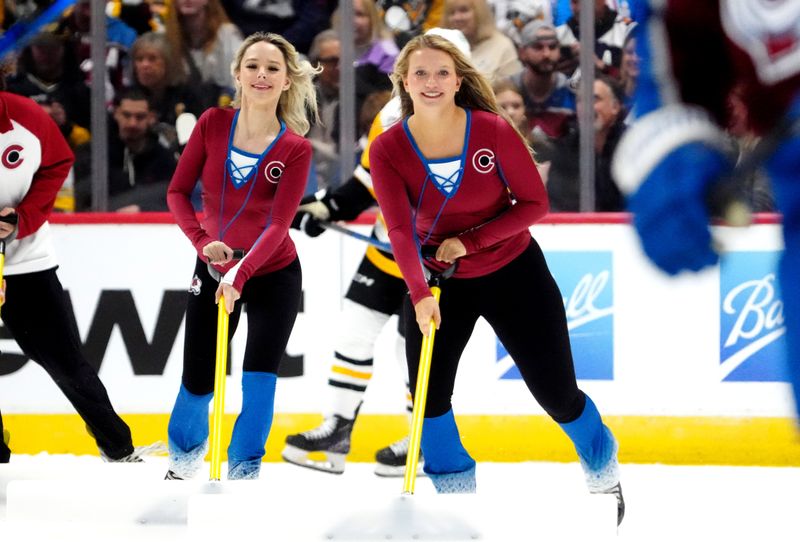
220,373
418,411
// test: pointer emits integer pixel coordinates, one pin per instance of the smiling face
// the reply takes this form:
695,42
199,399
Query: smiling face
262,73
431,81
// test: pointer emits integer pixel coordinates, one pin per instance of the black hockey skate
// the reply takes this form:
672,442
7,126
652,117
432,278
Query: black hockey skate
172,476
330,443
391,461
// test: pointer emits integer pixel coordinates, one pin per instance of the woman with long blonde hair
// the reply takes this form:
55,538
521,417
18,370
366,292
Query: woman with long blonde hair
253,161
456,178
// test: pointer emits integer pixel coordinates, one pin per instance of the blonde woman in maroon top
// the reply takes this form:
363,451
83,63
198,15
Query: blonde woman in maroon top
253,162
455,175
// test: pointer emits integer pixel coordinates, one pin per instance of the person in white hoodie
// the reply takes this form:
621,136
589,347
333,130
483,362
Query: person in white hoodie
35,159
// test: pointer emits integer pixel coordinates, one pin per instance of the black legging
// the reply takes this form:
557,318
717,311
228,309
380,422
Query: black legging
5,453
36,314
523,304
273,301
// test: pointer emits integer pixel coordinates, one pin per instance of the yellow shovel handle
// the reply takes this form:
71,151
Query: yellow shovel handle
420,398
220,372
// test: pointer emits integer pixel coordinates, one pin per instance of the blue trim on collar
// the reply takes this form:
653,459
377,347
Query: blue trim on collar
431,175
226,174
238,183
427,161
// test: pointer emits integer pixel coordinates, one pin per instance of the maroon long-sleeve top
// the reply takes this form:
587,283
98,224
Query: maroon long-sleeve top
255,215
496,197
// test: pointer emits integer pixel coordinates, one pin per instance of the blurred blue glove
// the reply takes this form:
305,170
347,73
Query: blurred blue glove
670,208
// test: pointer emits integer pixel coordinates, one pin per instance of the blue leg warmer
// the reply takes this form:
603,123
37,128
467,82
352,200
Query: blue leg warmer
252,426
188,432
447,463
596,447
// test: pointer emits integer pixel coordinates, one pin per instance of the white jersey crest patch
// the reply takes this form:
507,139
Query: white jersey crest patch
274,170
483,160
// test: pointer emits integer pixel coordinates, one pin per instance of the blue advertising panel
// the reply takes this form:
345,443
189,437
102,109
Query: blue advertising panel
586,283
752,337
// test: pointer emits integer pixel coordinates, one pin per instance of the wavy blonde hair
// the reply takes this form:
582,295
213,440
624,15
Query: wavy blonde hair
299,101
475,91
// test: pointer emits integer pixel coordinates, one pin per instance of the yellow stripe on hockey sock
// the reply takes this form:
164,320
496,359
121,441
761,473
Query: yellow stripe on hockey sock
349,372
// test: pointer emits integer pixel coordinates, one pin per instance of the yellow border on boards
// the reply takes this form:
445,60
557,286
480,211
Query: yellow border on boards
643,439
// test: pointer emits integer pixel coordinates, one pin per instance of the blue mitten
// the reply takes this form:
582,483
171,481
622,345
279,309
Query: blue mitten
667,163
670,208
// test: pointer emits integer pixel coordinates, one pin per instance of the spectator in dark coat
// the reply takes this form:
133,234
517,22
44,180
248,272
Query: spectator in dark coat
139,166
563,178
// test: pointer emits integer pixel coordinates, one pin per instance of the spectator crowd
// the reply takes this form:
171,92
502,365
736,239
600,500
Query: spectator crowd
171,58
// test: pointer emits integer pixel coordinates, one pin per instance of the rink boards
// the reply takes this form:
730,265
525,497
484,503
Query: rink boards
686,370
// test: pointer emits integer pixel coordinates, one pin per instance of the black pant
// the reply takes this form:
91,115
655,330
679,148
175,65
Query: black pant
273,301
523,304
36,314
5,453
378,290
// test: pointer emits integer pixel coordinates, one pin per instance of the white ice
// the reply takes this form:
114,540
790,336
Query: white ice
683,503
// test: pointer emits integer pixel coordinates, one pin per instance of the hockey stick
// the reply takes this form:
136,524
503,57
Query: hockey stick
21,32
421,389
220,372
427,251
386,247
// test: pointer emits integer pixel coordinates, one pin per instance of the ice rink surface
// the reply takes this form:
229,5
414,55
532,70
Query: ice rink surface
65,498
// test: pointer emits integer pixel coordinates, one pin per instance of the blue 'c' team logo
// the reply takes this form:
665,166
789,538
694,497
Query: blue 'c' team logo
585,281
752,338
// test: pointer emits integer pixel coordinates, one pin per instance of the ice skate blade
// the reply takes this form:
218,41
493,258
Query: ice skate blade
333,463
388,471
